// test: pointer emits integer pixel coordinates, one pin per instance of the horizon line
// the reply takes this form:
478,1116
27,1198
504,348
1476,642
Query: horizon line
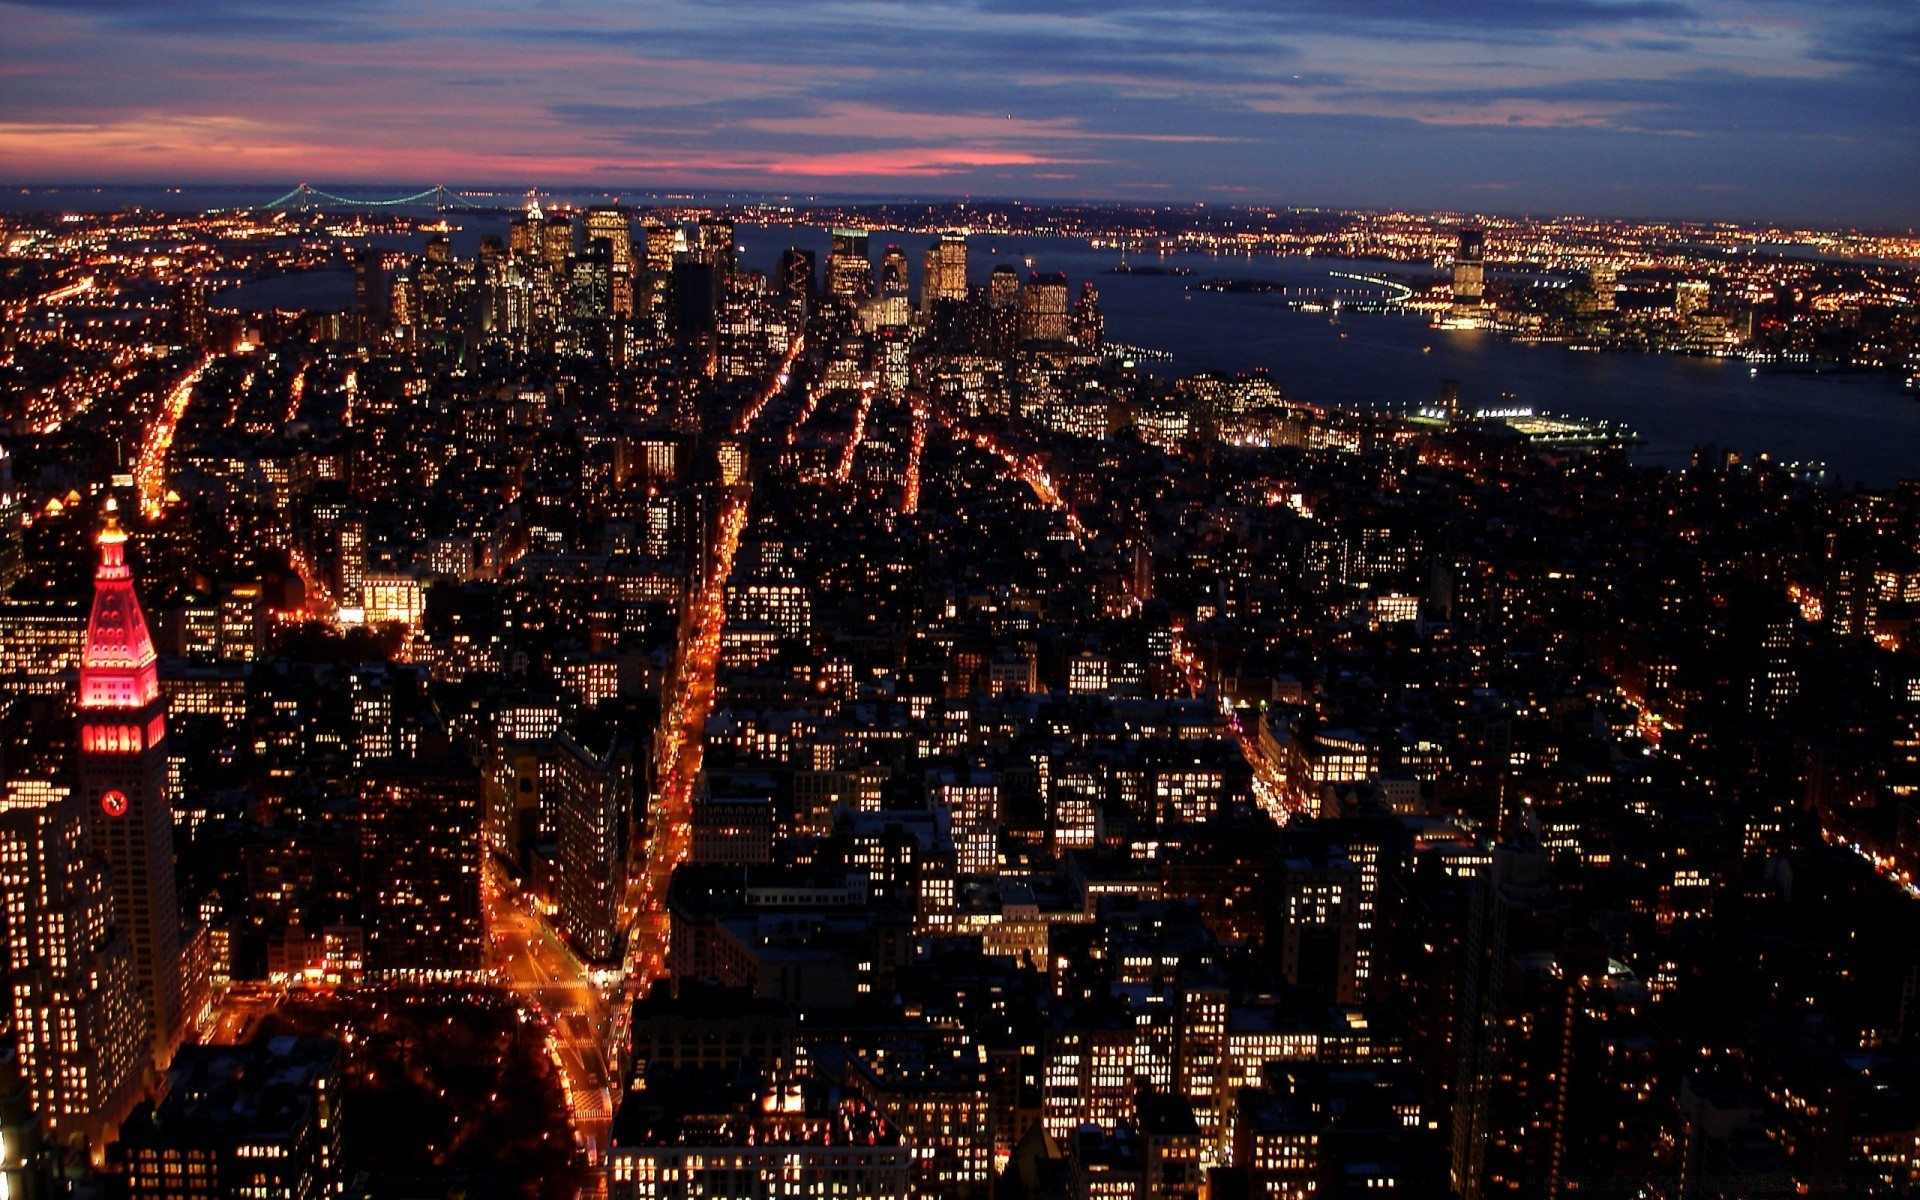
825,197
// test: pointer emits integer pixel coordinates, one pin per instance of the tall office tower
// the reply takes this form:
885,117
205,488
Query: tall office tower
1089,323
713,244
369,292
351,585
849,269
526,234
556,243
616,228
620,294
123,783
434,284
660,249
1003,288
893,272
1690,299
420,863
1603,281
1043,308
1450,399
13,555
594,796
798,275
946,271
1765,648
1003,308
1470,269
71,996
1509,901
699,291
190,312
489,286
593,282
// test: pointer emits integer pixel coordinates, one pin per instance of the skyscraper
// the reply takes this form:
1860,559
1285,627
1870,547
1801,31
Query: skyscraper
1043,309
12,533
713,244
556,243
420,852
797,280
71,996
369,293
946,271
614,226
1690,299
660,248
1604,282
123,783
595,793
849,269
1469,277
190,312
1089,323
893,272
1003,307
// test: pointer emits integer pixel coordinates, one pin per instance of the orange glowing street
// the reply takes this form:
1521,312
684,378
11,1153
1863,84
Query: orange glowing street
150,468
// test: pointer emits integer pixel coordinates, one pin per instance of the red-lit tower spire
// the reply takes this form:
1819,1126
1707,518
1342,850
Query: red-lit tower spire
123,779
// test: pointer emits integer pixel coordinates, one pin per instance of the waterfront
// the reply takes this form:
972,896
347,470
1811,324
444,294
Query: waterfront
1862,425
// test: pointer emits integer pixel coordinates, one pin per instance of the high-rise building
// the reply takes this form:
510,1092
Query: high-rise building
946,271
71,998
615,227
123,783
798,277
1507,901
594,794
1603,280
1470,268
1043,308
351,584
1003,308
420,857
849,267
1089,323
556,243
190,311
13,560
893,272
713,244
369,292
593,282
525,235
660,249
1690,299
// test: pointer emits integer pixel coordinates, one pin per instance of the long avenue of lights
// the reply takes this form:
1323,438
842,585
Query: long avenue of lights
680,746
150,468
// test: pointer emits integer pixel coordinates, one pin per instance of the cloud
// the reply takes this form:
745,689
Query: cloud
1651,103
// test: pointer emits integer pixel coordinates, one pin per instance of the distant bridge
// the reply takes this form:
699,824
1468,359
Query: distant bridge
1398,293
306,197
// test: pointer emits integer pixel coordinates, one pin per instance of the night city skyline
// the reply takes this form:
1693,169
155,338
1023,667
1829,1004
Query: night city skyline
1764,111
1243,600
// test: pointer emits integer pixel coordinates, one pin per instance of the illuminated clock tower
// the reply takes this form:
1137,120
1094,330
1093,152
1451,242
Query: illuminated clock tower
123,782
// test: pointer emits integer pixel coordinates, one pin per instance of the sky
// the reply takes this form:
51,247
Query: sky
1798,111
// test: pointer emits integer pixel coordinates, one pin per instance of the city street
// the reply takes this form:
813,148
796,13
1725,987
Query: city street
537,966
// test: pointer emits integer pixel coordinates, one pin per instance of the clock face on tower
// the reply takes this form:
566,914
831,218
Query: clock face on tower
114,803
